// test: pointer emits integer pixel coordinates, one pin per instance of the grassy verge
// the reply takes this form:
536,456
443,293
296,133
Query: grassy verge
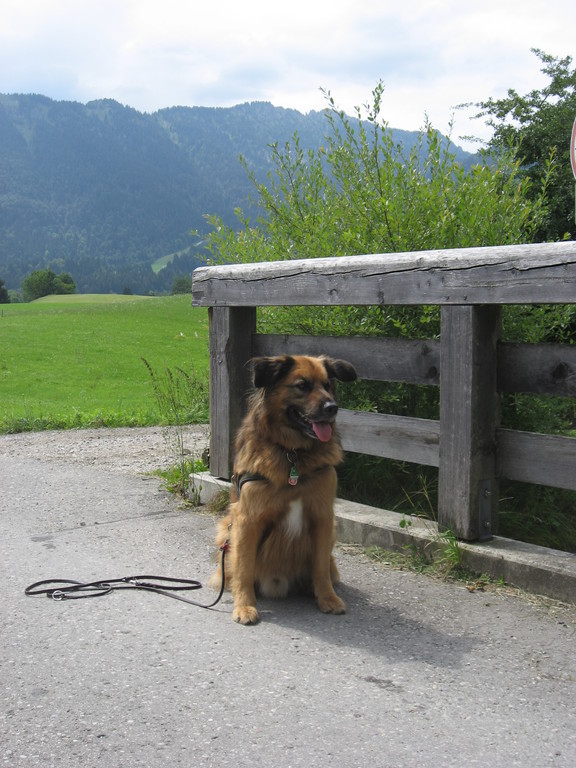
77,361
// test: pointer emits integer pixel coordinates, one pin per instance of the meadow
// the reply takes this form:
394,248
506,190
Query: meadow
78,361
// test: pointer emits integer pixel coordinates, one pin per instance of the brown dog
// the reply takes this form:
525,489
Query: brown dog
280,524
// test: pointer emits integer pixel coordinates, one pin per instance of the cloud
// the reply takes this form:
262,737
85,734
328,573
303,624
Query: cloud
431,54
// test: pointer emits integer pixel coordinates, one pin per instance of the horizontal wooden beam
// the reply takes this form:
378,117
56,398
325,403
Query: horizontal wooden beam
533,458
511,274
523,456
394,437
375,359
544,369
541,369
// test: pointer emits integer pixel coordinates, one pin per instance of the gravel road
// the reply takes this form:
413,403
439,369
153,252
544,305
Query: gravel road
128,450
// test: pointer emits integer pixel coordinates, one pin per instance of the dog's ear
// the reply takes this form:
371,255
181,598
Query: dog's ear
340,369
269,370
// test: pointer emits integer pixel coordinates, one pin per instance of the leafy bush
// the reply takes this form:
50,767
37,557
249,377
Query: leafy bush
45,282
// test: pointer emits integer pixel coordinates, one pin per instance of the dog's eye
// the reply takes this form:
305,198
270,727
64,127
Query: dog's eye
303,385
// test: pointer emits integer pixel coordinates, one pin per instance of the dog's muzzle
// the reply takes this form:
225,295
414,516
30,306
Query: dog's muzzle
319,428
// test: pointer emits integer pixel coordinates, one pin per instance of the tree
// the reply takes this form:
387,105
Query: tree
4,296
539,124
63,284
182,284
44,282
37,284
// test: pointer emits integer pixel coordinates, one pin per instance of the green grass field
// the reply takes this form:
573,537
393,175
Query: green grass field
76,361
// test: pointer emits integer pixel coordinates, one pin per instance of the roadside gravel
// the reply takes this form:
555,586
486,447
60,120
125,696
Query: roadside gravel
131,450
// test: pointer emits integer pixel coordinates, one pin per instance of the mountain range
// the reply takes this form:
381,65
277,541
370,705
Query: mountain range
111,195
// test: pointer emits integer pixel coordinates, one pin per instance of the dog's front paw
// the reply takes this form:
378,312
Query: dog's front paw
331,604
245,614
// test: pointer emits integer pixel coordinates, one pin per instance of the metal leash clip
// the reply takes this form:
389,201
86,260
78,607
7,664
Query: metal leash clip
68,592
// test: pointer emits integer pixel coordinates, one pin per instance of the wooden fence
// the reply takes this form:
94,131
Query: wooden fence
469,362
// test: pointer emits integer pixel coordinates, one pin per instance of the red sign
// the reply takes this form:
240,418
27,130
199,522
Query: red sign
573,149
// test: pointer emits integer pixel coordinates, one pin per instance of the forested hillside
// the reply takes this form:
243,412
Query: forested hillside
102,191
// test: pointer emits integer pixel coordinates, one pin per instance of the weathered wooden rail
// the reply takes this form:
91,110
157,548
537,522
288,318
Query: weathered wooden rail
469,362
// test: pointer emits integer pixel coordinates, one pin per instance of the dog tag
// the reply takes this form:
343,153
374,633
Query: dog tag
293,479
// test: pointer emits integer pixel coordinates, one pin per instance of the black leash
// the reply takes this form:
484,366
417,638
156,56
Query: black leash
65,589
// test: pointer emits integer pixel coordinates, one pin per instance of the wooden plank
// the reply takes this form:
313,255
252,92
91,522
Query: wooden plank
469,405
394,437
512,274
231,332
533,458
378,359
545,369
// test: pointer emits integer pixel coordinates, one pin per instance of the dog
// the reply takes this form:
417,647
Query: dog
279,531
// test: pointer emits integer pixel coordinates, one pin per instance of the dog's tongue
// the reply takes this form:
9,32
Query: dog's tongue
322,430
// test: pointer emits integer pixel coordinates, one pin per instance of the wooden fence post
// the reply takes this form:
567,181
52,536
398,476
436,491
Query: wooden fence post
469,416
231,331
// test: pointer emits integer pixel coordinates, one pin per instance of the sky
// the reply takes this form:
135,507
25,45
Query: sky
431,55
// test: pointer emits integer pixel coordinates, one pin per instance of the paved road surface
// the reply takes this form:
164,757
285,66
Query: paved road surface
418,673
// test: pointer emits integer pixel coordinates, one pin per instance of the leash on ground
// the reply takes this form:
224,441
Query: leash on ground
66,589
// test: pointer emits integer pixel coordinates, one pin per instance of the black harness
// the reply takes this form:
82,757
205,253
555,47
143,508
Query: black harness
238,481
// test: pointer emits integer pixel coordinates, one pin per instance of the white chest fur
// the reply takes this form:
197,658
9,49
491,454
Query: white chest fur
293,520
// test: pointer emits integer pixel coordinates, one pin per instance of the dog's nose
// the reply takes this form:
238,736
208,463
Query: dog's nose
330,408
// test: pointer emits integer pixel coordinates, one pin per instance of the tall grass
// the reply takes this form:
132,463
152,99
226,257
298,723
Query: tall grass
76,361
182,398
